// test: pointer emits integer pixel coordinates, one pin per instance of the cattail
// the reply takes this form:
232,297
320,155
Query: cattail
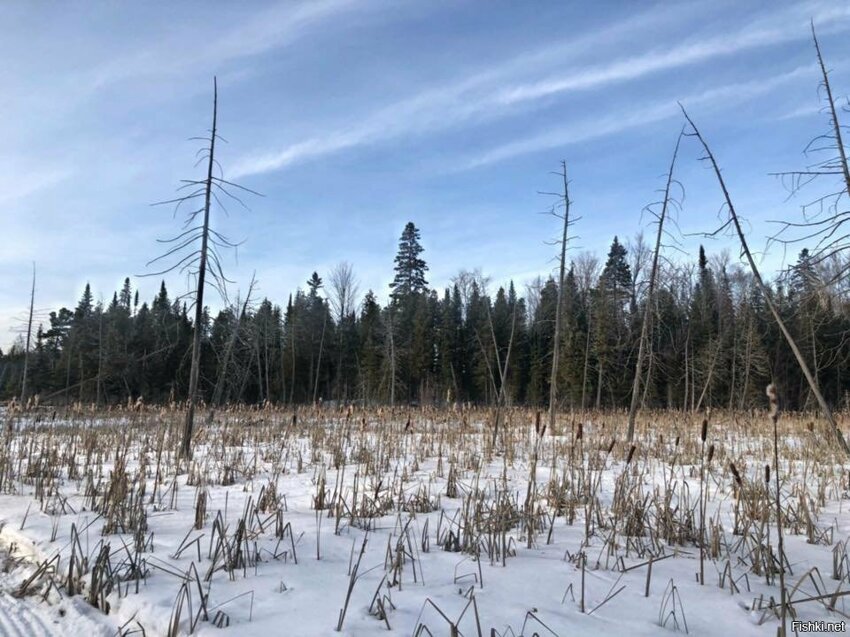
611,446
767,474
580,431
543,429
704,432
735,473
774,402
294,419
677,442
631,453
537,423
710,453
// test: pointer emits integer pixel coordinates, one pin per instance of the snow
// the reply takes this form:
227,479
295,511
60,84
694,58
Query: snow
536,591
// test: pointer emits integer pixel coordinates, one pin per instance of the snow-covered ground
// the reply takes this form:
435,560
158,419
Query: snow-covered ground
424,524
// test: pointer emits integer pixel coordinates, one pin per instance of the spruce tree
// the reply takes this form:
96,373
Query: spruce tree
409,267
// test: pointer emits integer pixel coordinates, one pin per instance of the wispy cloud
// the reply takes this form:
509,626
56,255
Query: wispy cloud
636,67
498,92
16,184
280,25
620,121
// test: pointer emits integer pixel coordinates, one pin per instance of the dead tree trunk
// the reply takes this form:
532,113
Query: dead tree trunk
765,291
319,362
186,444
29,337
650,296
556,343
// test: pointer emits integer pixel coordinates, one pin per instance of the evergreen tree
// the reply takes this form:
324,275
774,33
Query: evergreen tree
409,267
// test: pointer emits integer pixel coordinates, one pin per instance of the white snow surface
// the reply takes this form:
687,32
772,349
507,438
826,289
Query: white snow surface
277,596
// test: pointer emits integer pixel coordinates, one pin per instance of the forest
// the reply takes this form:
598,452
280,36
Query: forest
712,343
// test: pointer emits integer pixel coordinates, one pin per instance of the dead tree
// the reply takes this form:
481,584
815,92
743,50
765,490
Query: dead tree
391,353
197,250
228,352
643,345
28,340
824,222
734,222
556,343
503,369
343,298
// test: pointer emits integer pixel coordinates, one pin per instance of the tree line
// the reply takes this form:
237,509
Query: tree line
712,342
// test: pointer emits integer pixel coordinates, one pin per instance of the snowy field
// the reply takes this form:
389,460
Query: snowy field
417,523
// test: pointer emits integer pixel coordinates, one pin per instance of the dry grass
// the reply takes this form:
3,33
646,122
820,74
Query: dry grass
636,504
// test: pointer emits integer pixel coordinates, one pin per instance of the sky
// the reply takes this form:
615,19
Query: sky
352,118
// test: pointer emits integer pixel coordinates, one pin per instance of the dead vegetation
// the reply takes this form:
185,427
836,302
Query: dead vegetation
431,480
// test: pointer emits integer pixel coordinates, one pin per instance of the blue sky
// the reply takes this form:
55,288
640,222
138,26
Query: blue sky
354,117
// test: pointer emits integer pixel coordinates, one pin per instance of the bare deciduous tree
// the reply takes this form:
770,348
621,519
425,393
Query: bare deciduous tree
344,289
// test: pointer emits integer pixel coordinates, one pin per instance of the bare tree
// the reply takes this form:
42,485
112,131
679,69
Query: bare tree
644,345
28,340
587,272
344,288
564,200
202,260
824,222
640,256
231,343
391,353
532,296
733,221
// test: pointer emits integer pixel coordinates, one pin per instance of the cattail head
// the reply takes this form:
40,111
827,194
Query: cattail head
773,398
631,454
537,422
703,434
767,474
580,431
611,446
710,453
735,473
676,444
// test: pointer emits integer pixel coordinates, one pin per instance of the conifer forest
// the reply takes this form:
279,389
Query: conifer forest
713,342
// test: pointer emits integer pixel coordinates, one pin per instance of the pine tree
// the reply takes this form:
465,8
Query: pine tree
612,298
409,267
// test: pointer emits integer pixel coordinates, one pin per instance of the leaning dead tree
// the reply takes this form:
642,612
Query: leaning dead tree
556,342
734,222
196,251
824,222
644,344
28,341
